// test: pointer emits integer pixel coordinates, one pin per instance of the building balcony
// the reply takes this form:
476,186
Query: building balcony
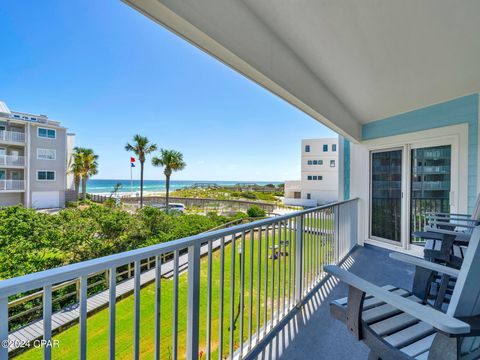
12,161
12,136
12,185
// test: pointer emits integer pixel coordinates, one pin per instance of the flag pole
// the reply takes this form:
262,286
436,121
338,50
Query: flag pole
131,181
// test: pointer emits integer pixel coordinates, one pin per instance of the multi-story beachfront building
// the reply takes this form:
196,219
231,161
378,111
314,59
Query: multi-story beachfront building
33,160
319,175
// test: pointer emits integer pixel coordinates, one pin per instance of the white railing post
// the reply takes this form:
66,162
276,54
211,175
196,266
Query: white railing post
336,233
298,260
4,328
193,319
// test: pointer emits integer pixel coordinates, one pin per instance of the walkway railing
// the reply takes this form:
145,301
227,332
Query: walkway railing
241,291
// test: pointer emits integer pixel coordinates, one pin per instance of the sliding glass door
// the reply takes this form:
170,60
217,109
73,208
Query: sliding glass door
430,184
405,183
386,195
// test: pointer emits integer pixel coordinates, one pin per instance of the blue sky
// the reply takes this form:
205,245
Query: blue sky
107,72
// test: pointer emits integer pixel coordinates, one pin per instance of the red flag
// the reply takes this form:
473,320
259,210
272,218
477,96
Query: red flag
132,159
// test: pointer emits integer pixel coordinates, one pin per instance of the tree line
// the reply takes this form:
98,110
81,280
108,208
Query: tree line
84,164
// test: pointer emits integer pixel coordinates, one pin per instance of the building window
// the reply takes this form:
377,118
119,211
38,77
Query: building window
332,163
309,162
307,148
309,196
325,148
314,162
47,133
46,154
309,177
334,147
43,175
314,177
320,177
320,162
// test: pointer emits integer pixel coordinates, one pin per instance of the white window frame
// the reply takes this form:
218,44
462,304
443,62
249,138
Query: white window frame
44,158
333,163
54,175
46,137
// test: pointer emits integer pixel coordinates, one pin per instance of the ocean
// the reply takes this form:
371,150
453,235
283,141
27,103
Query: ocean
96,186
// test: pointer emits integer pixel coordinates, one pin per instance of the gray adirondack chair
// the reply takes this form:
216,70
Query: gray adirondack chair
397,324
447,235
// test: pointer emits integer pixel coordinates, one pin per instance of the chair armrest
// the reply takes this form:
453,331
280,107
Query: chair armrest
435,318
425,264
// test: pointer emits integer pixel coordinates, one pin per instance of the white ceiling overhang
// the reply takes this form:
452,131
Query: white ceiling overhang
344,62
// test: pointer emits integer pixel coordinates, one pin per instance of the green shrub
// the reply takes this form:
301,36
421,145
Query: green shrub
256,211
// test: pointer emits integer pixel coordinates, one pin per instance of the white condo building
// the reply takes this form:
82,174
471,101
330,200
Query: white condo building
34,153
319,174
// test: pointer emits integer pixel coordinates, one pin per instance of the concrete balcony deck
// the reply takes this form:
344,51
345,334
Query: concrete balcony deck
314,334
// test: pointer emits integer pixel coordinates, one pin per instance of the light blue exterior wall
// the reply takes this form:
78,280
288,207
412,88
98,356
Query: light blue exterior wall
457,111
346,169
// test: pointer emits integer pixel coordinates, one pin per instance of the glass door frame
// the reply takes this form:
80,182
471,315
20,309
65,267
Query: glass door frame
454,180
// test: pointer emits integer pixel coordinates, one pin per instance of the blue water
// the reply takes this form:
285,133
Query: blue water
106,186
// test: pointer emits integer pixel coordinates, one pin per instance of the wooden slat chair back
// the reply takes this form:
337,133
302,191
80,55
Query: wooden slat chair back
465,301
444,248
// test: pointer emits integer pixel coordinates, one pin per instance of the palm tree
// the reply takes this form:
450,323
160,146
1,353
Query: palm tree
89,167
171,160
75,168
141,147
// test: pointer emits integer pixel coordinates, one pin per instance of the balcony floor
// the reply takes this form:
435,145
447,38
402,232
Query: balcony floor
313,334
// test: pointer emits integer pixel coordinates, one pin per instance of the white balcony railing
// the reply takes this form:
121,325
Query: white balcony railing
12,160
12,136
283,256
6,185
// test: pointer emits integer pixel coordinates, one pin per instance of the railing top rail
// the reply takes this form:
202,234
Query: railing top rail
37,280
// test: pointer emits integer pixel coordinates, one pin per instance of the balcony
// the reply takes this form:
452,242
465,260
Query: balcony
252,278
12,136
12,185
12,160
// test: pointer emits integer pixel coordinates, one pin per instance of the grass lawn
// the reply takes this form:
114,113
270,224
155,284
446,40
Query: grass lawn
97,325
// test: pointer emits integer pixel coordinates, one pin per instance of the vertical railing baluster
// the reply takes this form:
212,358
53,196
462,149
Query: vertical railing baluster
242,289
311,250
272,285
265,301
250,297
290,254
298,260
284,265
158,305
112,297
83,317
193,308
209,301
4,327
259,279
232,296
175,306
136,312
47,320
279,259
222,290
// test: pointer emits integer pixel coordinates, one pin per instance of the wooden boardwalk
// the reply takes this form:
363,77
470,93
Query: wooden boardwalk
69,315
